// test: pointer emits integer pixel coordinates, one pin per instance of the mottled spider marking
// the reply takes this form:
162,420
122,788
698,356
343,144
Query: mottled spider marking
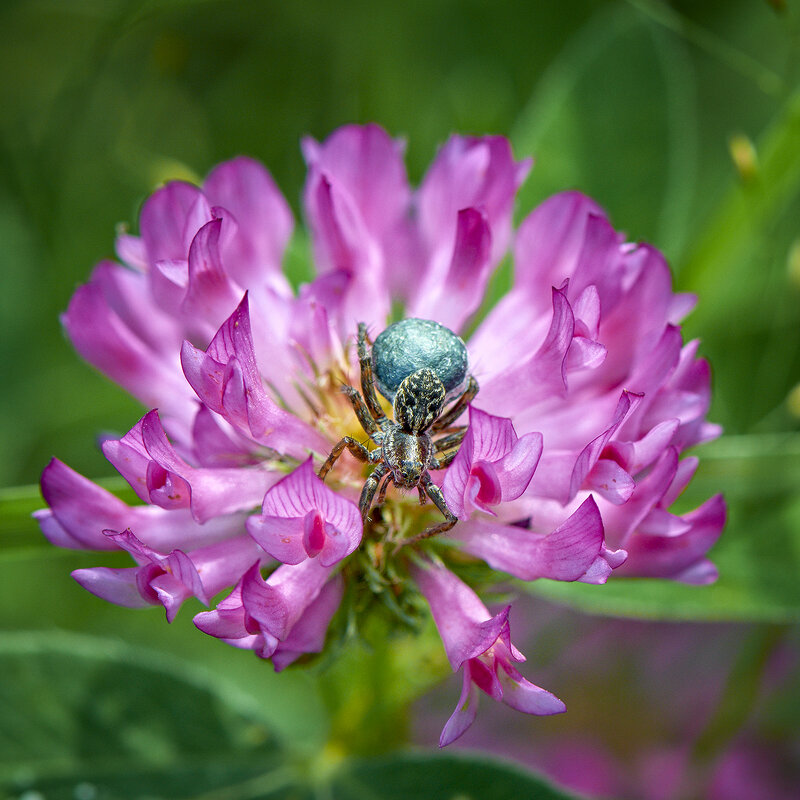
419,401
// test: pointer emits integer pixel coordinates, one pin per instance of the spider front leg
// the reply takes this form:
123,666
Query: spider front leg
446,449
464,399
435,494
382,493
367,378
356,448
368,492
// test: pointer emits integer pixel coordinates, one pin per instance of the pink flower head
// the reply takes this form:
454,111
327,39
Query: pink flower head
565,467
480,645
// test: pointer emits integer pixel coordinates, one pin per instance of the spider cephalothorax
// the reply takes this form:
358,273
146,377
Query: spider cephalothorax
416,364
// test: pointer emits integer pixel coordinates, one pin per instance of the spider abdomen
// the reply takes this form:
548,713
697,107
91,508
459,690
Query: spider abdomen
413,344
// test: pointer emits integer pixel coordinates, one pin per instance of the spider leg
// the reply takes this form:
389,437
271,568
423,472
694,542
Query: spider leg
446,449
367,380
356,448
435,494
464,399
362,412
368,492
382,492
423,498
453,439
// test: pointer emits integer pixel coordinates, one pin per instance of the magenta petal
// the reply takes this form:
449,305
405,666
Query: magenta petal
466,627
281,537
169,220
549,241
367,165
227,620
528,698
681,555
147,460
308,633
277,604
610,480
245,188
565,554
590,454
452,298
343,243
292,499
542,375
635,456
226,378
131,251
464,713
210,294
492,464
80,511
82,508
118,586
516,468
469,172
105,341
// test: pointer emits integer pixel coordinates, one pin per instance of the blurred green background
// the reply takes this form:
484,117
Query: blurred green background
682,119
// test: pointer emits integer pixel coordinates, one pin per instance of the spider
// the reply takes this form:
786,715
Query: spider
404,356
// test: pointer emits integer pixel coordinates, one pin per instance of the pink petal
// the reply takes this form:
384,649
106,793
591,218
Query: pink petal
210,294
103,339
147,460
610,480
308,633
492,464
542,375
681,556
277,604
117,586
227,620
295,497
464,713
549,241
564,554
226,378
469,172
528,698
466,627
590,454
366,165
169,220
245,188
451,299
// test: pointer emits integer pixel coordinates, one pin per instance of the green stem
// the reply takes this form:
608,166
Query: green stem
370,686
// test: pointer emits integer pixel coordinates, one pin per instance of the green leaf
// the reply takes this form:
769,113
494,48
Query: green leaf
614,115
435,776
85,717
758,554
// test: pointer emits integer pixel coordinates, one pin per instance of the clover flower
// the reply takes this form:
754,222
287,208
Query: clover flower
570,461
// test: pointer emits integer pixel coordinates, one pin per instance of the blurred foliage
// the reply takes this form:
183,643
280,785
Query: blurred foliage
681,118
110,721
